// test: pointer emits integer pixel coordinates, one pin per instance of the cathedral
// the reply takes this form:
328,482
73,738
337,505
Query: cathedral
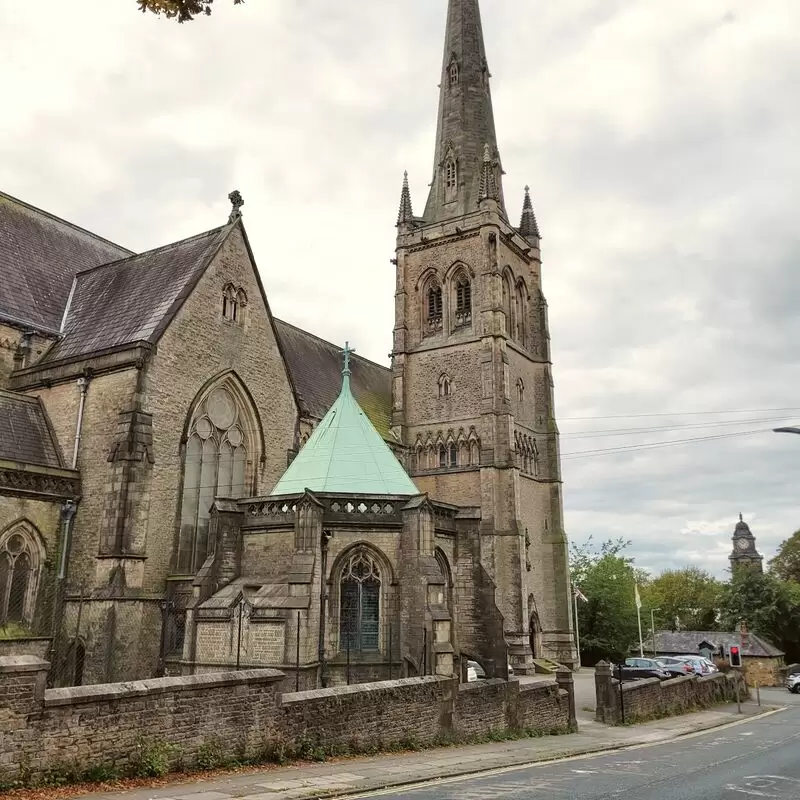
188,483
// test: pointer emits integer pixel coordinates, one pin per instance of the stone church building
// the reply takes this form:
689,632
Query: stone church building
187,482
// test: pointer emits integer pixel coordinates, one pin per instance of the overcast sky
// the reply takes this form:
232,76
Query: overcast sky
661,141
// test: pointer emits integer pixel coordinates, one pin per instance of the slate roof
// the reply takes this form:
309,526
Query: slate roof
25,433
346,454
316,369
685,642
134,299
39,256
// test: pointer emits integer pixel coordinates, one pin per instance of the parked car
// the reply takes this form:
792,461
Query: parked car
675,666
712,667
697,664
793,683
638,668
475,672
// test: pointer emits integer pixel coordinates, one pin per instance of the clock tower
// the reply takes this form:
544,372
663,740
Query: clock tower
745,555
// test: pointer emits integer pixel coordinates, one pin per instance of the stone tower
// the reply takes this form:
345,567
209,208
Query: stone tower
744,553
472,383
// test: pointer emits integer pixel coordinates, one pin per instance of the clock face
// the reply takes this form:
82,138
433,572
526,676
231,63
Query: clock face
742,544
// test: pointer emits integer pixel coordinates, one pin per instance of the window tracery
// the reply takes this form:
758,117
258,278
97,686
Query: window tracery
433,307
453,74
234,303
463,300
219,451
450,178
445,386
21,560
360,591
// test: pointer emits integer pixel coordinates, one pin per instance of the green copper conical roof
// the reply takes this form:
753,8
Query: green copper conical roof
346,454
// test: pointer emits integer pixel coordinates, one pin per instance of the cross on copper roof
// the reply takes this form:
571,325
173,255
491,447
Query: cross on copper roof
347,352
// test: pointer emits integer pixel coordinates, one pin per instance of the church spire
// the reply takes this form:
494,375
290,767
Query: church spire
465,124
406,213
528,226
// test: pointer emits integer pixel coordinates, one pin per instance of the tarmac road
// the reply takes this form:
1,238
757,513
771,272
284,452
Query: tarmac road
758,759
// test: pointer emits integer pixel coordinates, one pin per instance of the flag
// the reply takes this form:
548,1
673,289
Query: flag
638,599
579,595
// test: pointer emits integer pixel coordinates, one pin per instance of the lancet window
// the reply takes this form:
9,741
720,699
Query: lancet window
360,592
220,450
21,560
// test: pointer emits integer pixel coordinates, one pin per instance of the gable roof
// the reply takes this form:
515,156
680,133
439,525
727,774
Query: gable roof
39,256
25,433
133,300
315,366
346,454
685,642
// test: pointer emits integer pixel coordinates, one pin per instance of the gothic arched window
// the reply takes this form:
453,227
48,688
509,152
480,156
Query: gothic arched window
520,390
450,178
360,592
463,299
433,307
520,312
453,73
220,450
445,386
452,455
21,560
509,326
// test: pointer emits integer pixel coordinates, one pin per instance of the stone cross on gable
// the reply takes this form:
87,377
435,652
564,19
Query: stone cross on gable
347,352
236,201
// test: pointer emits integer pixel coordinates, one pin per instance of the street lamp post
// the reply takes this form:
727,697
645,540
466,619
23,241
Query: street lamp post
653,627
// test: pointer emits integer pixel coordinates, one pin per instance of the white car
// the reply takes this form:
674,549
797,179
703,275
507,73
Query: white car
475,671
793,683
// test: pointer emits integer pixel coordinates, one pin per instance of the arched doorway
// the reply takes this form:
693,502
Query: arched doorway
534,629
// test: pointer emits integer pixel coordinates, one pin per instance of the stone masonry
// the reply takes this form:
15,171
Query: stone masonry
243,713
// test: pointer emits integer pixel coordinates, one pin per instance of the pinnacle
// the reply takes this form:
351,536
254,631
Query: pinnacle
488,185
528,226
406,213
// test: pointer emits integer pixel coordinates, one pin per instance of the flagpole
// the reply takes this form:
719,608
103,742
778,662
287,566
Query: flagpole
639,617
577,630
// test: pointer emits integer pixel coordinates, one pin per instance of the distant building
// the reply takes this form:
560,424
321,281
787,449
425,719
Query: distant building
744,554
762,661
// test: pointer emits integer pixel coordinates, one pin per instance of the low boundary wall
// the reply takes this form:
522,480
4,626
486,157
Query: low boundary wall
652,698
174,719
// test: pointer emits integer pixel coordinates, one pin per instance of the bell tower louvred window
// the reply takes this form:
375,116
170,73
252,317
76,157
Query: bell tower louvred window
463,298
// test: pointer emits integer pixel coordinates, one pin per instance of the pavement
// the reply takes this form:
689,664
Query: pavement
370,774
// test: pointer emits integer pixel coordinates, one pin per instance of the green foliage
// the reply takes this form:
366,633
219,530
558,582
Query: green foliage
11,630
786,564
608,621
152,758
687,596
213,755
182,10
769,606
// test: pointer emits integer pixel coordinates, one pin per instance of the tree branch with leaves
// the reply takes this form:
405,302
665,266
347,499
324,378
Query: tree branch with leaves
182,10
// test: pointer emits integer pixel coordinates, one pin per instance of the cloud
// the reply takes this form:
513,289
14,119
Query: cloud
660,142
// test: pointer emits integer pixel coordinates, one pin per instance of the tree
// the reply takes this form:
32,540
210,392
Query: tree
607,622
786,564
769,606
182,10
686,598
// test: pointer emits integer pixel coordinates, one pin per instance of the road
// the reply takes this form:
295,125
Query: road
758,759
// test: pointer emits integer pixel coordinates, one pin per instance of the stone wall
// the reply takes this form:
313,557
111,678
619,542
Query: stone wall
244,712
653,698
763,671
